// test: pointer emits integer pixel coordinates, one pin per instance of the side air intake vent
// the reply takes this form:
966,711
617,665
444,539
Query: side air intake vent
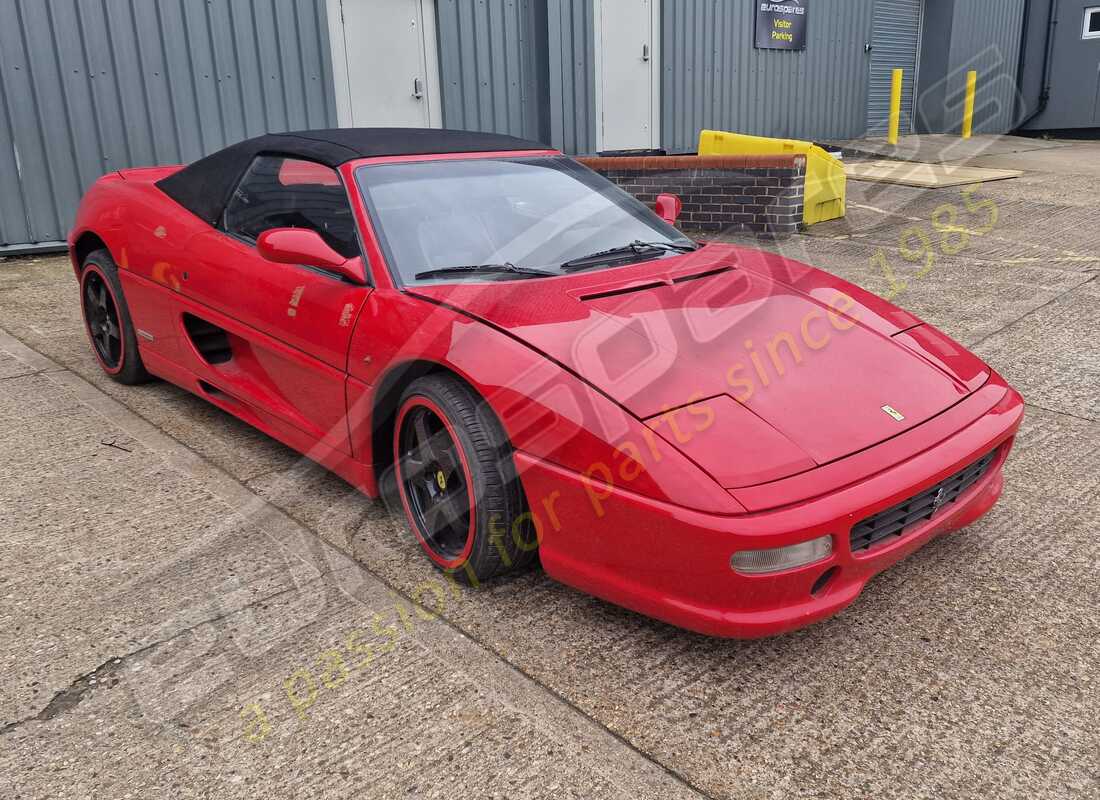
211,341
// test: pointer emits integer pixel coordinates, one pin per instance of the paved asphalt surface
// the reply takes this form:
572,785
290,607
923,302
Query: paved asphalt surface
191,610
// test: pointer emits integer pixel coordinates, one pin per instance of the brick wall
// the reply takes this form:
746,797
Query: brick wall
719,193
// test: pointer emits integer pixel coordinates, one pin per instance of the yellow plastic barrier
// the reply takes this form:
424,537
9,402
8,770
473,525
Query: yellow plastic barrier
825,182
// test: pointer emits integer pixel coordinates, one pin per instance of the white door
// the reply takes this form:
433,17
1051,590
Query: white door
627,74
392,64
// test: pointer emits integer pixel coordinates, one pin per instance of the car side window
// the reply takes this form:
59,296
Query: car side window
278,192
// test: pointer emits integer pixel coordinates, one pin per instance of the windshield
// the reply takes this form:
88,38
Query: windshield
534,214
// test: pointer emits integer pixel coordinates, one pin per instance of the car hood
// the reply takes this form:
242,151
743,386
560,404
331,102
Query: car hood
821,367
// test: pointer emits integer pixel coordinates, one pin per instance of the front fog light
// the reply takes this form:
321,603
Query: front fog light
753,562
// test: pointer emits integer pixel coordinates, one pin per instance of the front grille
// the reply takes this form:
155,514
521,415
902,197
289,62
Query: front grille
894,520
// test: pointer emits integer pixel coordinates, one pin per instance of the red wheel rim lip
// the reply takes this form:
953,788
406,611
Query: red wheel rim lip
89,270
423,402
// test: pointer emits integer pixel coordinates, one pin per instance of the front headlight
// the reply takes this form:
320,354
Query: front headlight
755,562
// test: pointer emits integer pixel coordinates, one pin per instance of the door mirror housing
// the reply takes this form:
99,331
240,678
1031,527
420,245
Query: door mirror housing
668,208
306,247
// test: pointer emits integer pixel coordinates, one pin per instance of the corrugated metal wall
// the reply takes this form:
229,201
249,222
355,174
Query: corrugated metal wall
895,37
572,75
986,37
714,78
492,58
87,87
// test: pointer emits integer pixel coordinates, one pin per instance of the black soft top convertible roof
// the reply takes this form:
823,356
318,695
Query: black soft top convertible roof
203,187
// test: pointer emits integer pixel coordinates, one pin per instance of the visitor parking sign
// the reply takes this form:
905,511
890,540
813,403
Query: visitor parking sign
781,26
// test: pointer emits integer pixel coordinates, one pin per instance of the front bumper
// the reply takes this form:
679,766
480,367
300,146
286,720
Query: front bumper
673,563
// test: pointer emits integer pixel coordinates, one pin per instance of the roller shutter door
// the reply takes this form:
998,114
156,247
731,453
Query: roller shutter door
895,38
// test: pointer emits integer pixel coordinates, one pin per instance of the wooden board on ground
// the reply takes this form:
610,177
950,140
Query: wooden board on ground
929,176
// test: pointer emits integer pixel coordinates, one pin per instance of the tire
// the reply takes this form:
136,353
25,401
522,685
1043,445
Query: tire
107,320
436,482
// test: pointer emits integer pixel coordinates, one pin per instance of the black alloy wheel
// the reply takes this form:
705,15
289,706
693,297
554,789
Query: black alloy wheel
107,320
436,483
104,325
455,476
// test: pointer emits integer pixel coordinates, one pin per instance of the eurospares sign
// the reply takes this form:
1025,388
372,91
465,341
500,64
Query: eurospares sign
781,26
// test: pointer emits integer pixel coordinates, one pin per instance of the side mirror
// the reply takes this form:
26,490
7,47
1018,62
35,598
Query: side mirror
305,246
668,208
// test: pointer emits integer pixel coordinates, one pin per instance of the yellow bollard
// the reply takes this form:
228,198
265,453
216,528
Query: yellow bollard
895,107
968,108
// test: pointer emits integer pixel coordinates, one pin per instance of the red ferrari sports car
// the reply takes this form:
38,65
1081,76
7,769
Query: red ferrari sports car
530,362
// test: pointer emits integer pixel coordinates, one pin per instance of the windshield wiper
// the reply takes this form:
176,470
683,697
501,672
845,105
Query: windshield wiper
637,247
505,267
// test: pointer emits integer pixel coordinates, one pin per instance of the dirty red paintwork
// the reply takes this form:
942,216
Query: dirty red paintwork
641,488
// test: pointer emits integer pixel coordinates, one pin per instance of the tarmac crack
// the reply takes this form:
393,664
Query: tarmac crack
71,696
31,374
1026,314
106,674
1061,413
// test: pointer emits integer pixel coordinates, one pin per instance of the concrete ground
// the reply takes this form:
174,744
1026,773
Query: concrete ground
1062,156
190,610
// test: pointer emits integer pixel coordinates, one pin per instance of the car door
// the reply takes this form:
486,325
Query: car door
272,338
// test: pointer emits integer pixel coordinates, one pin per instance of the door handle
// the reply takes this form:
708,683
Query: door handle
645,52
418,88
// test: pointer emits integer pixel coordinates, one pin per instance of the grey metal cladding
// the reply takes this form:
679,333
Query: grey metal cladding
492,57
89,86
572,77
712,77
985,37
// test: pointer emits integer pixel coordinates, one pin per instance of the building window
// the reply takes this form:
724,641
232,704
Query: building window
1091,28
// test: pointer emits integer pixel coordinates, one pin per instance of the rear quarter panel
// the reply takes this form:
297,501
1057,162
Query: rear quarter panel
145,232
